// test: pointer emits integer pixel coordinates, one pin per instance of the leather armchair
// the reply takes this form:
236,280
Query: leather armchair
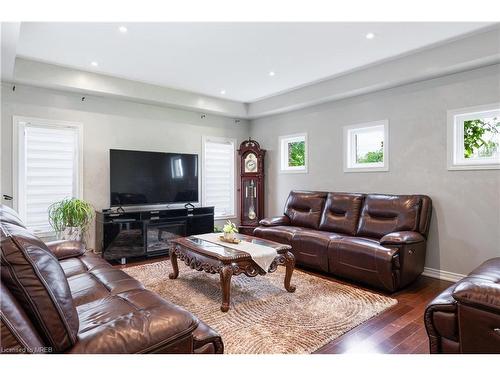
465,318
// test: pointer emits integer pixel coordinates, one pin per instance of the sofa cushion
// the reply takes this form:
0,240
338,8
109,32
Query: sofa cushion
281,234
383,214
35,278
82,264
99,283
341,213
310,248
304,208
365,260
136,321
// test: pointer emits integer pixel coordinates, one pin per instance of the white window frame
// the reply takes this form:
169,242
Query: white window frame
349,149
455,135
285,139
18,125
205,139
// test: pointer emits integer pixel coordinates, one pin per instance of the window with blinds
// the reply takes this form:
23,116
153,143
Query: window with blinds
49,168
218,175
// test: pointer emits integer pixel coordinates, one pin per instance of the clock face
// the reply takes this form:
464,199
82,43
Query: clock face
250,163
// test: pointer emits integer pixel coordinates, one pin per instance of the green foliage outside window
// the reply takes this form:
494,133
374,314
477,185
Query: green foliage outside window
475,137
372,156
296,154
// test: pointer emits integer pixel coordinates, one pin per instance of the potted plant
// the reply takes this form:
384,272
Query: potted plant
229,230
70,218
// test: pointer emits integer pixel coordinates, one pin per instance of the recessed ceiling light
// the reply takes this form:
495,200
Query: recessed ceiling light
223,92
272,74
123,29
94,63
370,36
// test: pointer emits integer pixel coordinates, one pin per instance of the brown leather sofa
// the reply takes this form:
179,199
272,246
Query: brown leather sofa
57,298
465,318
375,239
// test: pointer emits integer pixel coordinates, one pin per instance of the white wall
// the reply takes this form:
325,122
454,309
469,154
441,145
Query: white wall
109,123
465,227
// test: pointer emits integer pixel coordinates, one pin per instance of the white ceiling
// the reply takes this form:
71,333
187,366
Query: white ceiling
236,57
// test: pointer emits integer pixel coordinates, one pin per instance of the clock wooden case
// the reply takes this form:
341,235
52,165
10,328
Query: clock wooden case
251,186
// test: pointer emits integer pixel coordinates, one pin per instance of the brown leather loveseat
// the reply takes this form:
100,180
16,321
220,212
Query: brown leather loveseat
55,298
465,318
375,239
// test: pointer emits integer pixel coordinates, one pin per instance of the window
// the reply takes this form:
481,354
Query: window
48,161
474,138
366,147
293,151
218,176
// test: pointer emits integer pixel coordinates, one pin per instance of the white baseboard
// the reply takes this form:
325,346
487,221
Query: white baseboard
442,275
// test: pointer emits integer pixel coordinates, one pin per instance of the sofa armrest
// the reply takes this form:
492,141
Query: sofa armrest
402,238
275,221
63,249
480,294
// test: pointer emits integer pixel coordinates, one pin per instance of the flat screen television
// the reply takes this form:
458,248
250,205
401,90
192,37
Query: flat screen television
144,178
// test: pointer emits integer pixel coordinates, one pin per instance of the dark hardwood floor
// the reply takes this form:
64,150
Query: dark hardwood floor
398,330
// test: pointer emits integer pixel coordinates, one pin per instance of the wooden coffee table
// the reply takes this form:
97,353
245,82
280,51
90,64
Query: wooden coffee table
203,255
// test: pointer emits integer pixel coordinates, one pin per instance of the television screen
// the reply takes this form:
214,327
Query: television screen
142,177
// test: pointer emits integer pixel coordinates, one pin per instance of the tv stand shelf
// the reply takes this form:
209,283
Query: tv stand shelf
147,233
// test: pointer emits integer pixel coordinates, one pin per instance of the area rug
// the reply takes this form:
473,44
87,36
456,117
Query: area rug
264,317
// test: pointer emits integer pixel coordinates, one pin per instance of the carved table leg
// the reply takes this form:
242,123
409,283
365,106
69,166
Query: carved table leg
225,281
175,267
290,265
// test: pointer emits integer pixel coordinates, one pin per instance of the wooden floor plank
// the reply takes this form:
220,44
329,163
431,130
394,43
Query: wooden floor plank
398,330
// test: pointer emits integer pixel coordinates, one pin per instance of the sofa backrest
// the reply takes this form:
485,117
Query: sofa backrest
382,214
18,335
304,208
358,214
36,280
341,213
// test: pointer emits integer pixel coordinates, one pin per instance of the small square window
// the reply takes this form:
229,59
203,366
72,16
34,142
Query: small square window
474,138
293,151
366,147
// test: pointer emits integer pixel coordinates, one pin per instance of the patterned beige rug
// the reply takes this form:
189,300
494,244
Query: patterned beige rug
264,318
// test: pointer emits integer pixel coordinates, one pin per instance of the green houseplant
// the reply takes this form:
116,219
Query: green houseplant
70,218
229,230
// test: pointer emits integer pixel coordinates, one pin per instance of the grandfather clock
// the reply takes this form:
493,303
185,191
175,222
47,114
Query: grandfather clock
252,185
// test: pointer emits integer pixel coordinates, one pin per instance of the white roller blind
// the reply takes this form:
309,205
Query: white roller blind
218,175
48,170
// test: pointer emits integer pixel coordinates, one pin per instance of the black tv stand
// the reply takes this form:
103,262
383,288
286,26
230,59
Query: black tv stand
140,233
